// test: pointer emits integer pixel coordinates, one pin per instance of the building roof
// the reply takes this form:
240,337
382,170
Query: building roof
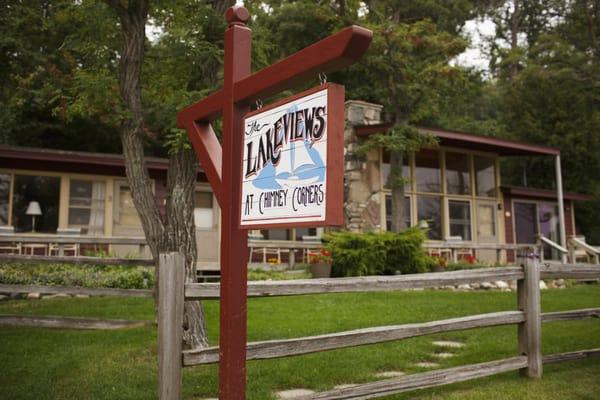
79,157
515,191
504,147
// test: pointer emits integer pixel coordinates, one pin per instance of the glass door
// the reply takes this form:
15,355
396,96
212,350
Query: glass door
487,231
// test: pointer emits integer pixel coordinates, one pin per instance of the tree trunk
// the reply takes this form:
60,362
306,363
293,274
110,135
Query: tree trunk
177,232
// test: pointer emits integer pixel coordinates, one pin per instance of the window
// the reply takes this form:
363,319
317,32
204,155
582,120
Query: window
458,176
300,232
43,189
385,170
485,176
204,216
86,206
460,219
427,171
526,227
4,198
277,234
388,212
429,208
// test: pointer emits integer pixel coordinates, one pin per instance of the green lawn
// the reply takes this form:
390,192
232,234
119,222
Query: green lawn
63,364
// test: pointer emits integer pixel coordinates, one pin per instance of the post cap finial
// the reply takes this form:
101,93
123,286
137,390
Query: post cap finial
237,15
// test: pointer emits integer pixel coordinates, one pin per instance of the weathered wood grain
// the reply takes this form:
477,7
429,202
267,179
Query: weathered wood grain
73,290
571,315
421,381
68,322
570,271
359,284
529,332
357,337
170,324
79,260
572,355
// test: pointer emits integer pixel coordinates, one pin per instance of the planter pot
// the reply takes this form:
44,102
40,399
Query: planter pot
320,270
439,268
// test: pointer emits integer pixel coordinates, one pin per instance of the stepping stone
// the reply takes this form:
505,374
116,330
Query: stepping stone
344,386
389,374
293,393
448,343
427,364
443,355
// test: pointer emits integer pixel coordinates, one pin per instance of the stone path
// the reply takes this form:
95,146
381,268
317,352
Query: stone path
389,374
293,393
443,344
448,343
443,355
427,364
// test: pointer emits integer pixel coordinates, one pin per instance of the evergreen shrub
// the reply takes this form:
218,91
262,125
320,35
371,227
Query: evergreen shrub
386,253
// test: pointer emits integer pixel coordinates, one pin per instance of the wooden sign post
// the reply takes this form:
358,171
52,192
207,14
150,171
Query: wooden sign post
223,164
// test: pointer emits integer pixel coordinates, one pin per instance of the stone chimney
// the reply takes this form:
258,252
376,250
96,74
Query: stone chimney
362,188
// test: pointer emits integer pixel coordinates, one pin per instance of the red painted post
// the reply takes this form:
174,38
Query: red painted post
234,241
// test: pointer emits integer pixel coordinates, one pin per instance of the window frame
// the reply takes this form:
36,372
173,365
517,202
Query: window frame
471,218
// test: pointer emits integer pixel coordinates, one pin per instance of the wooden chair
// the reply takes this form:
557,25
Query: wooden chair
459,252
308,252
9,247
54,248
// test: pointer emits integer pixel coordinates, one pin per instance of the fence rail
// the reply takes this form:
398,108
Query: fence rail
359,284
528,317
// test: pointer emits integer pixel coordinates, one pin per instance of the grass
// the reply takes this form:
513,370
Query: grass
63,364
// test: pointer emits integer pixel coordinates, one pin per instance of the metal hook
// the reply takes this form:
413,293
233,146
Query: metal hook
322,78
259,104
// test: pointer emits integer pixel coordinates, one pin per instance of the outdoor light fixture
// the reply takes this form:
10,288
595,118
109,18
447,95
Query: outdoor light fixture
33,209
423,224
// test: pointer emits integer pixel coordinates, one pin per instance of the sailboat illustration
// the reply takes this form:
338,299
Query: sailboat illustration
300,164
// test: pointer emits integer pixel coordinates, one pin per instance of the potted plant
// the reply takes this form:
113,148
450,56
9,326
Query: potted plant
320,264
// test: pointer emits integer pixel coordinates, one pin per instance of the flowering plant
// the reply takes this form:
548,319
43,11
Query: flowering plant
323,257
470,258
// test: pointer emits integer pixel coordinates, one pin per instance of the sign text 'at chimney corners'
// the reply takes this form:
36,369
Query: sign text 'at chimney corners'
292,169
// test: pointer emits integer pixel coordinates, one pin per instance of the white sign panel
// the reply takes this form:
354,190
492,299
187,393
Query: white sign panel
284,179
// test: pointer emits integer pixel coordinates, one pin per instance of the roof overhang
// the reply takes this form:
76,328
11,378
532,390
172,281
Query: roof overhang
514,191
76,157
469,141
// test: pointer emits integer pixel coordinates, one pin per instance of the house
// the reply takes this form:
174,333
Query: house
455,188
89,192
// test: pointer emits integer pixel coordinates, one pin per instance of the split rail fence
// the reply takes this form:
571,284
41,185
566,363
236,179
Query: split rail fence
528,316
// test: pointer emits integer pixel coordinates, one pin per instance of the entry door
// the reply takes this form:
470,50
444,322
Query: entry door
206,218
487,227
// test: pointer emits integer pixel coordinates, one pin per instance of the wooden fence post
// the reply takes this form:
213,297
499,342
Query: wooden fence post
528,297
170,324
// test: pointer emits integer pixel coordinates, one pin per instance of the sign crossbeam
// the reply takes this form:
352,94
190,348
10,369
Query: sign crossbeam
223,164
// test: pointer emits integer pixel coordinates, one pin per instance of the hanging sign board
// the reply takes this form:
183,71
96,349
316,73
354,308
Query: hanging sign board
292,168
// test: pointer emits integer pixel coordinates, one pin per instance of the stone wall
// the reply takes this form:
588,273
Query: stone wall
362,187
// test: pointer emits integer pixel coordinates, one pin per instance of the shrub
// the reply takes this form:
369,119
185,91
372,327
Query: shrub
387,253
110,276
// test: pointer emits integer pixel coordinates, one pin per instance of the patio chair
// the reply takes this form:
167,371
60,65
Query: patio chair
54,248
9,247
310,252
265,251
459,252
